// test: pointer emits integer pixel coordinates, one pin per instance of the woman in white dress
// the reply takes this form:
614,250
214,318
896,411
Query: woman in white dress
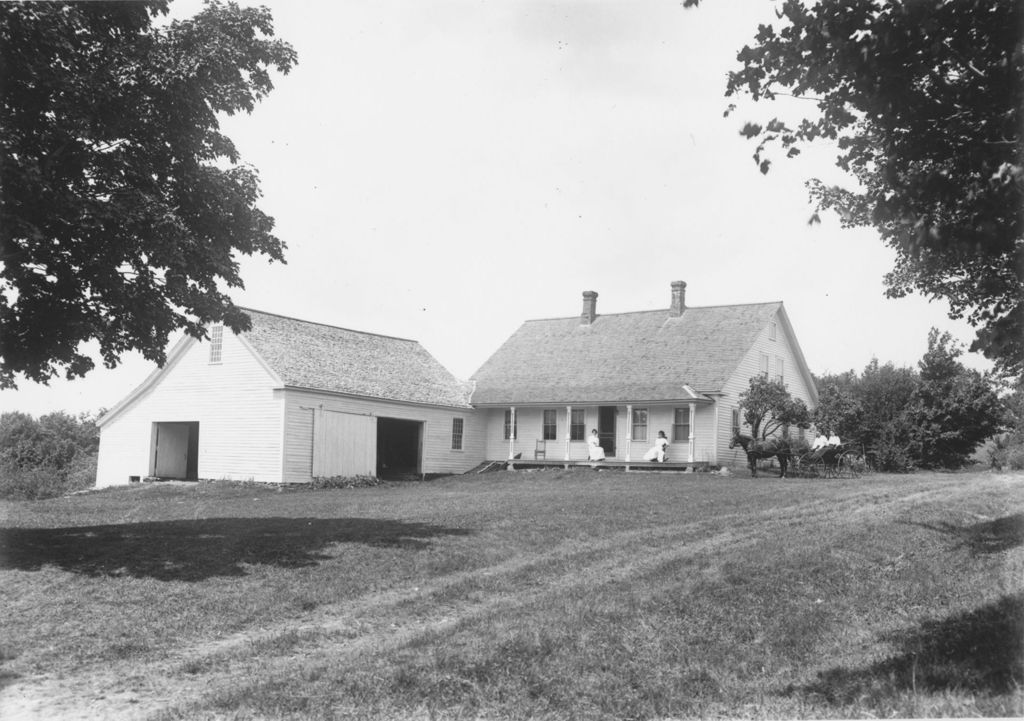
660,447
594,449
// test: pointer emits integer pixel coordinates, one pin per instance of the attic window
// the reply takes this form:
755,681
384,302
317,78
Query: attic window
216,342
773,330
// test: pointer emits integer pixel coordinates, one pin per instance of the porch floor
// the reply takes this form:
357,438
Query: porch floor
678,467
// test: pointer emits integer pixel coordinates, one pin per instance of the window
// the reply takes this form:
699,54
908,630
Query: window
802,435
578,425
456,434
639,424
550,425
764,365
216,342
773,330
681,425
510,429
785,431
779,368
736,420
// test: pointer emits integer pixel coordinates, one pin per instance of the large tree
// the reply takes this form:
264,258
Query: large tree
955,409
768,408
924,99
123,208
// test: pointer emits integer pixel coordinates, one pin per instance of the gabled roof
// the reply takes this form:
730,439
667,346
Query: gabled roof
642,356
327,358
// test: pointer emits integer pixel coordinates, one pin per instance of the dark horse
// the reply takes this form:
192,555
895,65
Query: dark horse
767,448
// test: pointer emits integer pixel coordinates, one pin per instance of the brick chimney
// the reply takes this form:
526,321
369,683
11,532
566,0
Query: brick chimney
678,299
589,307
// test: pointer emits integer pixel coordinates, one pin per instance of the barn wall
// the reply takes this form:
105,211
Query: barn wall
782,347
530,427
438,455
234,402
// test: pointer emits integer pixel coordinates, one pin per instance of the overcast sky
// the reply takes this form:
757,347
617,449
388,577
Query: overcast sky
445,170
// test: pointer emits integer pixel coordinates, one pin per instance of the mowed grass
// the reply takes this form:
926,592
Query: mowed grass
555,594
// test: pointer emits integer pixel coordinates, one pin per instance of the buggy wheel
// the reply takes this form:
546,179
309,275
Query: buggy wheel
850,465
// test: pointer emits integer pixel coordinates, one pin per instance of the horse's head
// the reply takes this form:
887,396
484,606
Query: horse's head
739,440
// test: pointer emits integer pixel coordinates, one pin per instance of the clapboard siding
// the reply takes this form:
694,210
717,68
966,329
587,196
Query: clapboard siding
234,402
530,428
784,347
438,455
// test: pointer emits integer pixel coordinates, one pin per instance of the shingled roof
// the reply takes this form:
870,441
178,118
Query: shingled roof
338,360
642,356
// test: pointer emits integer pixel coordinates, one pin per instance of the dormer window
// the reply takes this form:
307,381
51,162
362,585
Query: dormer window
216,342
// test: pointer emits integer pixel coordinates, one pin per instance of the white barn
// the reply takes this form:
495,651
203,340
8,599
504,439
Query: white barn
287,401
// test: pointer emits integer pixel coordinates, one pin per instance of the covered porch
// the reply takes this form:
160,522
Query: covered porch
638,465
557,435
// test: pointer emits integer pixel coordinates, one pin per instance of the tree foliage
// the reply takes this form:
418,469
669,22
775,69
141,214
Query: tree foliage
924,99
838,409
124,208
933,417
955,409
768,407
47,456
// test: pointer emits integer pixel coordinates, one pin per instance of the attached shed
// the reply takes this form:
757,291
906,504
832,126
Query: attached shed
287,401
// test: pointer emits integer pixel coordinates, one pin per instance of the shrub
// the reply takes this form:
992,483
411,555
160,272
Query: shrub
29,484
345,482
48,457
1008,452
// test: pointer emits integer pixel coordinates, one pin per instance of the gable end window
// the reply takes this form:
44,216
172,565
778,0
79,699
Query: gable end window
457,434
216,342
639,424
510,429
550,425
578,425
681,425
773,330
780,366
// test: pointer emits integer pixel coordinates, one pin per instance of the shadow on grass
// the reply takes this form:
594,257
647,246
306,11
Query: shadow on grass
984,538
981,652
183,550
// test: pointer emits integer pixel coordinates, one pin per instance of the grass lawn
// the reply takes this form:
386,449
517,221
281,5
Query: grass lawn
549,594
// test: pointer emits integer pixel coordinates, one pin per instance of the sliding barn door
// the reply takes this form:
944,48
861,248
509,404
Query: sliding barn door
344,444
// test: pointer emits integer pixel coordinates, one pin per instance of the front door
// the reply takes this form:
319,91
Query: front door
606,429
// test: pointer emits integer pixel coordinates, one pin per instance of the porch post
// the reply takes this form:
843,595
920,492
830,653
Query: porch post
693,415
714,436
512,433
568,430
629,429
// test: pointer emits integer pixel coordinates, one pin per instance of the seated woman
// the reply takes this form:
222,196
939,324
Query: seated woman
660,448
595,451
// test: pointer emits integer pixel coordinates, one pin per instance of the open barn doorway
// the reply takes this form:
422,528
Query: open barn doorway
399,448
175,451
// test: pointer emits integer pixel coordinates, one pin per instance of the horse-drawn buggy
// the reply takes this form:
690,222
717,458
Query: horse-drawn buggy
796,460
841,461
